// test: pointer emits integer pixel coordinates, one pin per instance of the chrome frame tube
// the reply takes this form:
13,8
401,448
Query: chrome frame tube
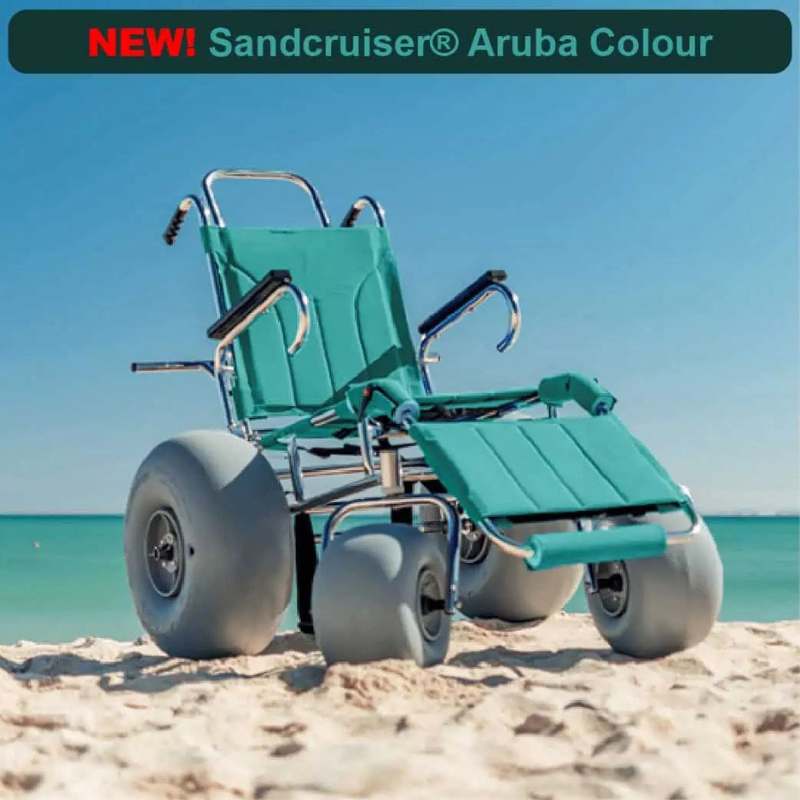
254,174
452,525
222,385
365,201
325,498
209,213
681,537
365,444
590,578
411,476
323,418
506,343
215,217
303,317
325,472
502,542
513,548
391,480
213,272
589,575
410,471
205,219
295,470
222,374
227,405
193,200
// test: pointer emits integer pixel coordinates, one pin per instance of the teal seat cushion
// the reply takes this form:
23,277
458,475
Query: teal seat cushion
359,330
533,467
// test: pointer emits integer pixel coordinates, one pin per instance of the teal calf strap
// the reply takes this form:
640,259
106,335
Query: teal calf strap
591,547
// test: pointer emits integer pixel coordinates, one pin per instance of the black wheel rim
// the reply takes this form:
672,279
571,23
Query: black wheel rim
612,587
430,604
474,547
164,553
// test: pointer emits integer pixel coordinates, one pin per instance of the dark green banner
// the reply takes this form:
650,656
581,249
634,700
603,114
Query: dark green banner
375,41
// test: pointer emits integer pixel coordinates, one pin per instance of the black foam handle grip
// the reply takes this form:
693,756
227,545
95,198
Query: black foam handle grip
171,233
268,285
463,297
352,216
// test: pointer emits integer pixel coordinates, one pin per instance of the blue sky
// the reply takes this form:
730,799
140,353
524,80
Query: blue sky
648,223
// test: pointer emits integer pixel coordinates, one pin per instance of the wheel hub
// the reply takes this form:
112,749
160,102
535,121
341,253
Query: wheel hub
430,606
164,553
474,544
612,587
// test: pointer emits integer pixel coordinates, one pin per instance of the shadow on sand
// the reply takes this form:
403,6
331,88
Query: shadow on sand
138,672
134,671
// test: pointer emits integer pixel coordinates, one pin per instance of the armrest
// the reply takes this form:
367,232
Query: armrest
462,298
271,283
585,391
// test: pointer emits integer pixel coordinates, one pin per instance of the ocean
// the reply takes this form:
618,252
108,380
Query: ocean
63,577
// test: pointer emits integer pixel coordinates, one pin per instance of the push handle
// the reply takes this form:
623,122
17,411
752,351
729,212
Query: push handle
464,297
263,175
180,214
171,233
365,201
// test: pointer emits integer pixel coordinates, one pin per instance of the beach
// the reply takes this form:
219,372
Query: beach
540,712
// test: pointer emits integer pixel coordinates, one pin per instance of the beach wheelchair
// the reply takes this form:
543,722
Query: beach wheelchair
491,504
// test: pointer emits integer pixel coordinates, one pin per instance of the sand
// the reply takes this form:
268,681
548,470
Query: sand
535,712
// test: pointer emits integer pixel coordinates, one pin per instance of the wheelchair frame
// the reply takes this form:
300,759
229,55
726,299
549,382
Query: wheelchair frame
392,474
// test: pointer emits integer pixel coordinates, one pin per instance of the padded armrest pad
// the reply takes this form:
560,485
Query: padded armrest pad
464,296
271,282
581,389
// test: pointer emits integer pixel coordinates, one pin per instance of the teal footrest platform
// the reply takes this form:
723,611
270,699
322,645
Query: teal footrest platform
531,467
591,547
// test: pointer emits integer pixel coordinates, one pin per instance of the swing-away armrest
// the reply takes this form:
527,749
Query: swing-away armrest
472,291
273,282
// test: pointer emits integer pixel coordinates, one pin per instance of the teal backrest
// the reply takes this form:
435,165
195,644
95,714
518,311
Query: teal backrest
359,330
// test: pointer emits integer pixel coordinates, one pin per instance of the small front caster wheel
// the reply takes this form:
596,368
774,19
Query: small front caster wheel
379,592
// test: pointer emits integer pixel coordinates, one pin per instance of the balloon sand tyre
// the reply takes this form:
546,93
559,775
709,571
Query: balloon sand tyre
208,546
656,606
494,585
379,593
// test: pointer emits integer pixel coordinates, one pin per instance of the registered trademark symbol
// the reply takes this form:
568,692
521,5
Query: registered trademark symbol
444,42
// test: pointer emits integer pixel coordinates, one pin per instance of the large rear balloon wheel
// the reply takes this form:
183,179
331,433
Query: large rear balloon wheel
208,546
